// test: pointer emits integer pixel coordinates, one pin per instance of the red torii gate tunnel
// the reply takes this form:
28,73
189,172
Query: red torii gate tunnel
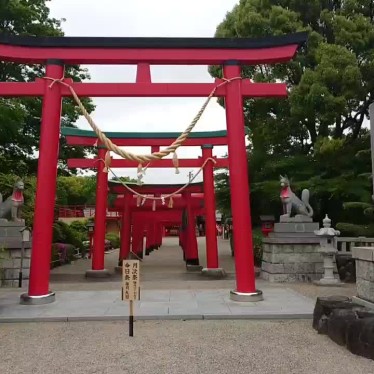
78,137
144,217
55,52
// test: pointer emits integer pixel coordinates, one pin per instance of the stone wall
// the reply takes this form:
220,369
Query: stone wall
10,264
364,272
10,256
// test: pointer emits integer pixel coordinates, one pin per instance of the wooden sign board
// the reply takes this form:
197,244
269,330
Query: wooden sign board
130,278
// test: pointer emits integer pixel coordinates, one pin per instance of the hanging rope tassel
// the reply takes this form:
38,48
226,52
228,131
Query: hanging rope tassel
107,161
138,201
154,205
163,200
170,205
176,162
140,174
143,201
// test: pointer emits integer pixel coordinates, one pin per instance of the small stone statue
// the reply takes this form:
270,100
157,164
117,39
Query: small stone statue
303,210
12,205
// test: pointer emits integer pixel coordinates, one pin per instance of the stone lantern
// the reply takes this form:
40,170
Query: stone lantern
327,249
267,224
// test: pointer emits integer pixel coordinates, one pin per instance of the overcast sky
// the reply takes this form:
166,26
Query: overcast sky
153,18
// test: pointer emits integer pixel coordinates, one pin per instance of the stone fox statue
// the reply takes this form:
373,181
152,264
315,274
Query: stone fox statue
12,205
291,202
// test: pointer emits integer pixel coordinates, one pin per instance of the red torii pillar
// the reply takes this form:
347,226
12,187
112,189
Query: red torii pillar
191,248
137,243
212,269
98,270
239,188
39,292
125,230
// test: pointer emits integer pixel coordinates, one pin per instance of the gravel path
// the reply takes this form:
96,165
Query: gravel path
178,347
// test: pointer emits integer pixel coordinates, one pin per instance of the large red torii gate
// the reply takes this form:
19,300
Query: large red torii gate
55,52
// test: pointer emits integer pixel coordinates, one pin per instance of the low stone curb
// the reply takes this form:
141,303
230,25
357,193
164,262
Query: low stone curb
270,316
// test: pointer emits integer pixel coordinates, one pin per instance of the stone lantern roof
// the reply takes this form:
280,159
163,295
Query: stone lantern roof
327,230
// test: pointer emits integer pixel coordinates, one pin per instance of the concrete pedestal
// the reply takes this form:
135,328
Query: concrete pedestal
194,268
290,253
97,273
329,282
37,300
246,297
217,273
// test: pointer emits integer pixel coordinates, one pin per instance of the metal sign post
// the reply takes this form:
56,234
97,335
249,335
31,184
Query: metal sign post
130,288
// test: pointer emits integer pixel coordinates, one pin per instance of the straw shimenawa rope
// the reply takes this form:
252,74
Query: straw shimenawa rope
131,156
145,157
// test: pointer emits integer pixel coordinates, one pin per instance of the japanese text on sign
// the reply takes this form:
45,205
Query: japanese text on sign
130,277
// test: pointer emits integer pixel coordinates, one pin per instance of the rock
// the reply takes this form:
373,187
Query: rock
324,306
338,323
360,337
346,323
366,313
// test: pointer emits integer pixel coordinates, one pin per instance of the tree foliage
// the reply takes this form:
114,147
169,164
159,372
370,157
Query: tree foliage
317,135
331,80
20,117
71,190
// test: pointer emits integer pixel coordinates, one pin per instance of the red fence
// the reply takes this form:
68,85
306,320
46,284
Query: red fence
82,211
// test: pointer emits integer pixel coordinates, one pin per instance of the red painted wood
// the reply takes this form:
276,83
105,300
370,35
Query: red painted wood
239,185
155,189
194,142
148,205
46,186
100,214
143,73
109,56
142,89
125,230
191,251
210,211
259,90
161,215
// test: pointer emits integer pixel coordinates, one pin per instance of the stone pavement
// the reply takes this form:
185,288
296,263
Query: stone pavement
157,304
167,292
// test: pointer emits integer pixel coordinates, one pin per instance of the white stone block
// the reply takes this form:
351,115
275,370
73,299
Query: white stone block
363,253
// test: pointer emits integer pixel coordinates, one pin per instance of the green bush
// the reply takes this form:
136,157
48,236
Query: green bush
81,227
114,239
350,229
62,254
63,233
55,258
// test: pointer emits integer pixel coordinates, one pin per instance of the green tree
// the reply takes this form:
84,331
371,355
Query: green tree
20,118
317,134
330,81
